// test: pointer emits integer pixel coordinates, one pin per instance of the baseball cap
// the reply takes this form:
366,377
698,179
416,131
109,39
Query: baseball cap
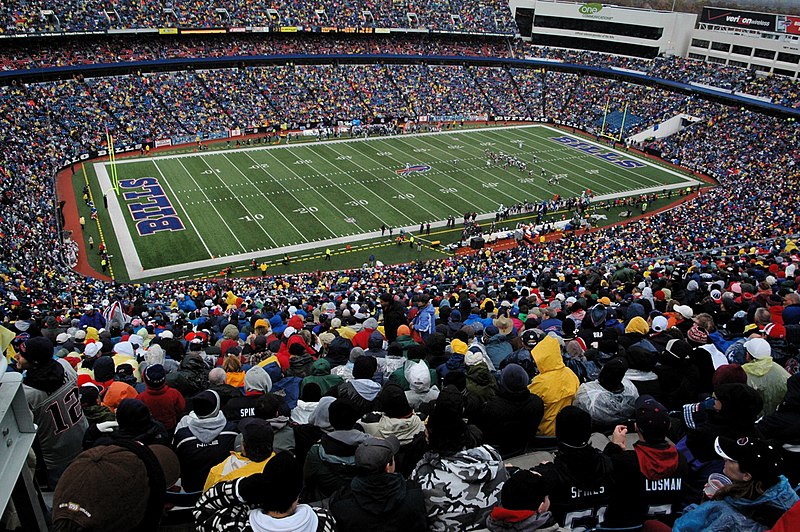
758,348
684,310
652,418
762,460
155,375
531,337
373,454
660,324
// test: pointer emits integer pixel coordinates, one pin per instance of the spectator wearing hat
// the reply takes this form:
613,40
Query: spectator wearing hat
115,487
682,316
611,398
460,478
650,475
556,384
361,392
93,410
50,388
764,374
203,438
757,496
379,498
524,505
166,404
404,339
679,378
580,476
256,383
345,371
256,450
330,464
116,393
731,412
132,422
300,362
398,420
91,318
481,383
125,354
659,333
509,420
783,427
642,359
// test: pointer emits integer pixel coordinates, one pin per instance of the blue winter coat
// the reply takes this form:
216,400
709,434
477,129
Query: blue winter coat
727,514
498,348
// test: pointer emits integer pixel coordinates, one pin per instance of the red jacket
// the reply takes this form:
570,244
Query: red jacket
166,404
361,339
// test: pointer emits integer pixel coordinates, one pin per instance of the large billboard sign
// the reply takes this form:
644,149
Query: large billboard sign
739,19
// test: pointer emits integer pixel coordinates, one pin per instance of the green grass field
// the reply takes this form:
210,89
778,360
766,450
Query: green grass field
200,211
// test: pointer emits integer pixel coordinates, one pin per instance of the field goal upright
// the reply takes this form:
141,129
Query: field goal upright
609,135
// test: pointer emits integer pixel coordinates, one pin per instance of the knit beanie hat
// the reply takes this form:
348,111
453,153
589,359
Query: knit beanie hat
394,401
285,480
573,427
513,379
524,490
343,414
206,404
364,367
103,369
155,376
612,374
37,350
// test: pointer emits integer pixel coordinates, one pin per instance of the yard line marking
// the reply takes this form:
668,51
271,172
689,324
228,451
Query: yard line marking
280,211
211,203
289,191
353,161
185,212
464,183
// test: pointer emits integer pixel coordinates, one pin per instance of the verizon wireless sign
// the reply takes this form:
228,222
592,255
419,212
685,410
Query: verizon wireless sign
738,19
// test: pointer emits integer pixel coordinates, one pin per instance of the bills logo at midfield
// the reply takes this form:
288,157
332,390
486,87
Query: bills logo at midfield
417,168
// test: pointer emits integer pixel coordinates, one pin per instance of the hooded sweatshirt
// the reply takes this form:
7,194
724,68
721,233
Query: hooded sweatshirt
419,379
460,489
650,475
769,379
380,501
202,443
321,375
556,384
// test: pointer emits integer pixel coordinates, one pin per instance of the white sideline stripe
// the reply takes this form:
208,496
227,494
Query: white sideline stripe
124,238
135,271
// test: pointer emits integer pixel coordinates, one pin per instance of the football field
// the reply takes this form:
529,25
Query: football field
177,213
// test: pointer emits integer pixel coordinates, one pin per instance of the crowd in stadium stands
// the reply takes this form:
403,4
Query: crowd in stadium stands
779,89
396,394
36,16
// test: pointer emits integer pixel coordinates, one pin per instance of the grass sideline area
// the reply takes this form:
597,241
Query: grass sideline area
300,199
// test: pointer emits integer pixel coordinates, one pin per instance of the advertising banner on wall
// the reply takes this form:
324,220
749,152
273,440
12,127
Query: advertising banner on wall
738,19
789,24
